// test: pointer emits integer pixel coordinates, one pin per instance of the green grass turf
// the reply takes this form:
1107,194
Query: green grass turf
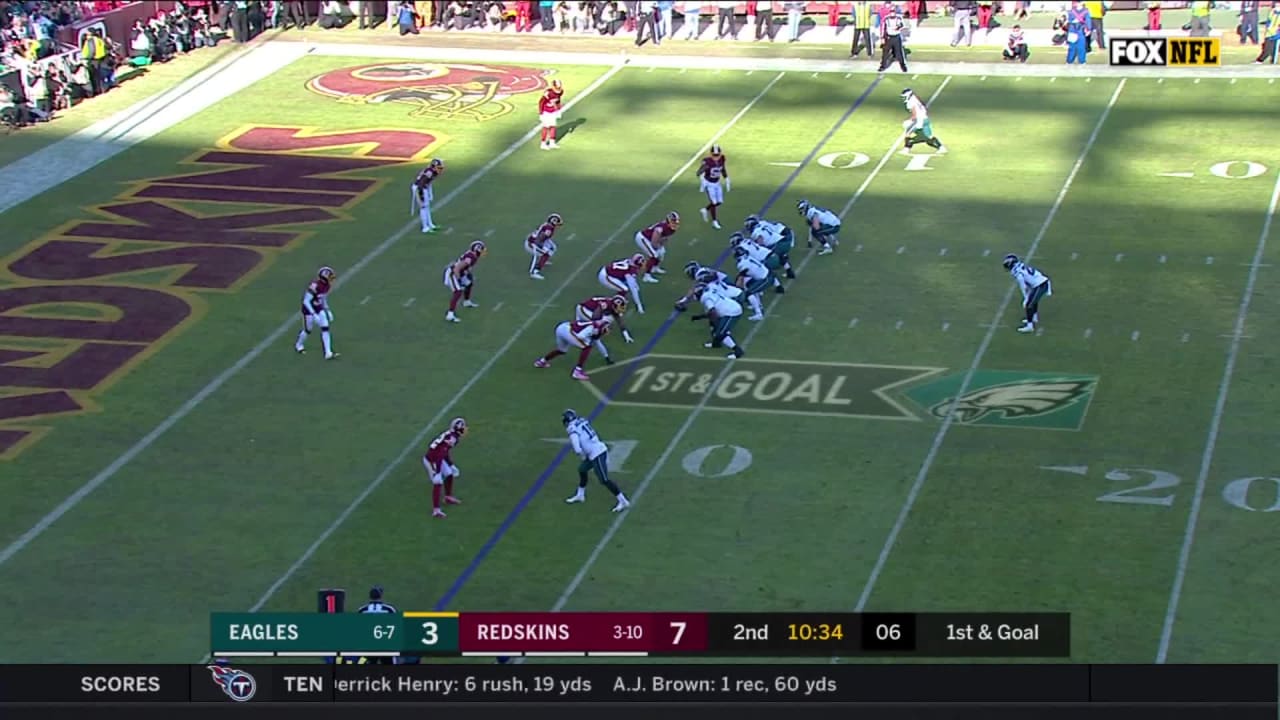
214,512
133,88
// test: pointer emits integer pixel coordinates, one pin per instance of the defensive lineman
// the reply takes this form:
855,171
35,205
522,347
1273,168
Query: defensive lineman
586,443
824,225
917,128
1035,286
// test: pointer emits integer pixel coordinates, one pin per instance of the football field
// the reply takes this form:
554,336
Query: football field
888,443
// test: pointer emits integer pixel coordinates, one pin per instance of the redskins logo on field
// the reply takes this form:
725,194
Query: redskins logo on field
443,92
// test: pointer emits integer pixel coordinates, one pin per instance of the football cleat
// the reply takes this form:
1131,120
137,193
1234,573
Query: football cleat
326,273
536,275
1009,261
803,206
691,269
438,513
479,248
649,278
573,499
458,426
541,363
1026,327
330,356
555,219
470,304
577,374
673,219
451,317
451,500
623,504
568,416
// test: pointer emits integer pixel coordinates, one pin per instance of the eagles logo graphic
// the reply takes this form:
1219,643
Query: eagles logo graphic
441,92
1014,400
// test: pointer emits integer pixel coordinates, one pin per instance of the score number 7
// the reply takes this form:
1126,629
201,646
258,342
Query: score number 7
679,627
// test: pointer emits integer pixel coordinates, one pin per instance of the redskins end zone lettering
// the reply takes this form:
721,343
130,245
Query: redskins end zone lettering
87,302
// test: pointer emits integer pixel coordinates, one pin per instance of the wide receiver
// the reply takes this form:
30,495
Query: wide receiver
777,237
440,468
595,456
424,194
541,246
580,335
620,277
713,177
460,281
316,313
652,241
549,109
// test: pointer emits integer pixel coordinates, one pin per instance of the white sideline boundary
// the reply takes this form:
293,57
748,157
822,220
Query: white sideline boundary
843,65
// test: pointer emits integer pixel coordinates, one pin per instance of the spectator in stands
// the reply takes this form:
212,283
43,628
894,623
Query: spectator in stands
1153,15
795,13
406,18
611,19
546,15
499,16
986,8
13,108
139,43
295,14
334,14
690,20
460,15
726,25
1199,25
1248,28
38,92
1060,30
1017,47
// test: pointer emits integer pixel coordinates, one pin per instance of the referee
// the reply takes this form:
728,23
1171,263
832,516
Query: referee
893,50
376,606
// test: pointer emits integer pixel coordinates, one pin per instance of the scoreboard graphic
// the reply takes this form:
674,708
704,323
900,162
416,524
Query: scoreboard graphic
434,634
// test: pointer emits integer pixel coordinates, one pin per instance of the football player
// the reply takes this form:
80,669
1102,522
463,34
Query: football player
917,129
754,278
423,193
438,461
723,311
586,443
652,241
605,307
1035,286
777,237
549,108
620,277
460,281
580,335
541,246
316,312
757,252
824,225
713,177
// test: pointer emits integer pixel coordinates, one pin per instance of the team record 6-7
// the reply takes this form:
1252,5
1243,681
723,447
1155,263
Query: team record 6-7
827,683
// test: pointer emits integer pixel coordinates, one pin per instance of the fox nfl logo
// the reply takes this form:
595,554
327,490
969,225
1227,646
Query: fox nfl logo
1169,52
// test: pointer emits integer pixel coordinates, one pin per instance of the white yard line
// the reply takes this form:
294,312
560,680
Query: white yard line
270,340
415,444
48,167
1215,425
949,420
661,462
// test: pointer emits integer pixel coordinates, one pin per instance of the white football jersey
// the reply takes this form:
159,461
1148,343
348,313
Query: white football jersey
1027,277
768,233
755,250
822,215
918,111
586,443
721,305
752,267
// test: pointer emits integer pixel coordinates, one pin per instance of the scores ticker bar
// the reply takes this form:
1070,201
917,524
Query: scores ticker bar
934,635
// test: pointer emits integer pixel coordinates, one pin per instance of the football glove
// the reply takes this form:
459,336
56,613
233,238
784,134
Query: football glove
626,335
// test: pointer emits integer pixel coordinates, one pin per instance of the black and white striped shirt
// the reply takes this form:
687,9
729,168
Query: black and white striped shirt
892,26
378,607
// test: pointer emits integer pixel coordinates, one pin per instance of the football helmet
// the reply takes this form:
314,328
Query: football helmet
673,219
479,248
716,151
619,304
437,164
739,251
705,276
458,426
803,206
737,239
555,219
698,290
326,273
691,268
568,416
638,260
557,86
1009,261
750,223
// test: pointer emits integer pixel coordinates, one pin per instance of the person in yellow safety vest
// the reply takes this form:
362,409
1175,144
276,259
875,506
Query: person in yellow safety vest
1271,43
1199,25
861,30
1097,38
93,50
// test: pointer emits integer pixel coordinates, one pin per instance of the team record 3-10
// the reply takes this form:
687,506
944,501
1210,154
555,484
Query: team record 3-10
939,635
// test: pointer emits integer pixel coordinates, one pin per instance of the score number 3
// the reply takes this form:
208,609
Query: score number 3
430,633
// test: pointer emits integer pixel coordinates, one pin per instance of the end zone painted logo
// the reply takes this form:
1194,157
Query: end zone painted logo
442,92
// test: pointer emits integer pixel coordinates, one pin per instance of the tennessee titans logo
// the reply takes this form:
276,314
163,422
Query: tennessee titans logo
237,684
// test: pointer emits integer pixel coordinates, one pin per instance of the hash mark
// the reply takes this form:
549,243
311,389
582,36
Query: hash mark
684,70
902,249
942,252
1119,257
814,75
572,236
1075,255
946,326
1197,82
848,75
858,249
1053,79
366,299
853,323
1233,81
1039,332
1208,260
497,307
651,68
986,252
1088,79
1163,259
1160,81
448,230
1134,337
915,77
693,240
489,232
808,320
1250,265
751,72
1186,337
1088,333
983,78
409,302
897,325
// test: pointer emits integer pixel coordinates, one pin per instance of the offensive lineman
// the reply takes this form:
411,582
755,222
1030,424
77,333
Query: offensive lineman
595,456
1035,286
918,129
824,225
777,237
753,278
723,312
316,312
